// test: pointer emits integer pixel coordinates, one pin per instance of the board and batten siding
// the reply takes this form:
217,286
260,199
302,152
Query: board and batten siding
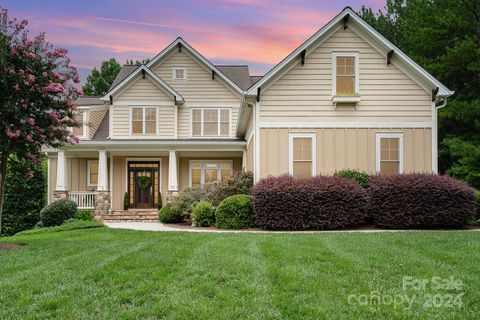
304,93
199,90
143,93
342,148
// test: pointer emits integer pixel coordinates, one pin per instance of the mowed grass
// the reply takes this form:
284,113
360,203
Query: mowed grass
117,274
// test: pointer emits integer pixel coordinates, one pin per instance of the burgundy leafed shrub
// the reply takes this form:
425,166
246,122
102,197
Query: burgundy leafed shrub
285,203
420,201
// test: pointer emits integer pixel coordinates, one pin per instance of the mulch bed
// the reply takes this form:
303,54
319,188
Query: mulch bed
9,246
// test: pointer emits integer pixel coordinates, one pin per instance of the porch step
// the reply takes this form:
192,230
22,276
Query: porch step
130,215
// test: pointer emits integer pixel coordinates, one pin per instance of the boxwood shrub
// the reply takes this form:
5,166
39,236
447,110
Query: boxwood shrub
322,202
203,214
235,212
58,212
168,215
360,177
85,215
420,201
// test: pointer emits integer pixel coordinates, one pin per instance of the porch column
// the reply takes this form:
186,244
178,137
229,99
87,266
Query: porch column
102,195
61,188
172,175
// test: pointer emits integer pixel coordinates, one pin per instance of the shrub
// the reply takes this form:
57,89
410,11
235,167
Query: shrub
126,201
24,197
160,203
360,177
286,203
420,201
58,212
167,215
240,182
235,212
188,198
85,215
477,197
203,214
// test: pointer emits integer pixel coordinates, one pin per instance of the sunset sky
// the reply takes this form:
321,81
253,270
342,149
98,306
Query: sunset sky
259,33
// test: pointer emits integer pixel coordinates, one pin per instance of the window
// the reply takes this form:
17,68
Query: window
302,154
345,73
210,122
144,120
179,74
389,153
92,173
202,172
81,119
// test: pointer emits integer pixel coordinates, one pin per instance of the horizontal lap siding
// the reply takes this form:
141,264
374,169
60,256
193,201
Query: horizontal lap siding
199,90
343,148
95,118
305,92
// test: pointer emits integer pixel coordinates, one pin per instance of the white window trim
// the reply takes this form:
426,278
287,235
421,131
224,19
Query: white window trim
203,162
379,136
89,183
202,135
336,54
293,135
85,125
143,121
174,74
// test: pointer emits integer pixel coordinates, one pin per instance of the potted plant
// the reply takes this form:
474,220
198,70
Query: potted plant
126,201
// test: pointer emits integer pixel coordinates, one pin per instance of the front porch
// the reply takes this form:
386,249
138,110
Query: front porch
129,185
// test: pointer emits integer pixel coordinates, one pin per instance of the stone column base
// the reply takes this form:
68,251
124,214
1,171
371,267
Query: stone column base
102,202
60,194
171,195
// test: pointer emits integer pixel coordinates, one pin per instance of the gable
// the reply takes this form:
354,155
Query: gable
199,86
143,90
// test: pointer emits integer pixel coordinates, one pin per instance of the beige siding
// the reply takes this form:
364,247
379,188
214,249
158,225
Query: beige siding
305,92
143,93
95,118
342,148
198,91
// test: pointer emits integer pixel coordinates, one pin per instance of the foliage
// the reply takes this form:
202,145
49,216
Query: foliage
420,201
85,215
126,201
477,198
24,197
203,214
137,62
67,226
144,182
37,95
58,212
360,177
322,202
235,212
168,215
442,36
99,81
240,182
189,197
160,201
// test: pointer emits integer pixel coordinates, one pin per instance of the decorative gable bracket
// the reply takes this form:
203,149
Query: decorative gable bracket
389,57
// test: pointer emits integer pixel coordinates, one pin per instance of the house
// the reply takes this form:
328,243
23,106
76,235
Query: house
345,98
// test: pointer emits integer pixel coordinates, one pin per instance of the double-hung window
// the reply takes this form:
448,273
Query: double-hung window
345,73
81,119
202,172
144,120
389,153
92,173
211,122
302,154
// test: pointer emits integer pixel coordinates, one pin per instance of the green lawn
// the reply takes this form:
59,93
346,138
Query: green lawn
114,274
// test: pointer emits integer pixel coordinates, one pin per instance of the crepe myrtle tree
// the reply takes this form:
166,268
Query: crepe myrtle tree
37,95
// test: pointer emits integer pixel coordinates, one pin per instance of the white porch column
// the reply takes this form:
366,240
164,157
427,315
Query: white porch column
172,171
61,172
102,171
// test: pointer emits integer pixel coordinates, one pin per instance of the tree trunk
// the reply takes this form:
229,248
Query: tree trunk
3,172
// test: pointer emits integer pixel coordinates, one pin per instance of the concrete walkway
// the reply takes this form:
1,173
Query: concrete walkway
160,227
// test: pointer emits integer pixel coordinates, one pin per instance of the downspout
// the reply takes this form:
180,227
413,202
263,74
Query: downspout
435,109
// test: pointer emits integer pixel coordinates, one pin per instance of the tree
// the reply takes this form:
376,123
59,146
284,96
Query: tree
137,62
24,196
98,82
37,96
444,37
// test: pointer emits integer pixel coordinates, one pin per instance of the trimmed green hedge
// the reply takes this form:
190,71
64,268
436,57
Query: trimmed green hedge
58,212
203,214
168,215
235,212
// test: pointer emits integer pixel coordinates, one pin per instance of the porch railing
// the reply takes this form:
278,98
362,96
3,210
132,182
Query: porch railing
83,199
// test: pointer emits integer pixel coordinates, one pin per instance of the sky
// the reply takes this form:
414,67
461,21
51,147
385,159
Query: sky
259,33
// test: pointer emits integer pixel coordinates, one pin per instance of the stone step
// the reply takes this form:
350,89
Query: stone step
130,215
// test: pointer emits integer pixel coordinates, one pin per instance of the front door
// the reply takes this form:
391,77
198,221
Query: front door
143,184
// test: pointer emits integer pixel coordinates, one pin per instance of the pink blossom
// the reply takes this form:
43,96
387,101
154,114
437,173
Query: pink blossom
31,78
73,138
54,115
31,55
17,87
78,91
29,137
76,79
54,87
56,75
31,121
13,134
44,74
14,52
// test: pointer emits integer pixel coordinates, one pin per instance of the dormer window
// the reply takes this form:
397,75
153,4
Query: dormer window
179,74
80,118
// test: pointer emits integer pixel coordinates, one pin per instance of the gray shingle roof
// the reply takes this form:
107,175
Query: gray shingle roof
89,101
255,79
103,129
238,74
124,72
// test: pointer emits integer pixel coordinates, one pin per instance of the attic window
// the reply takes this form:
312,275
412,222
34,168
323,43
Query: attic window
179,74
345,81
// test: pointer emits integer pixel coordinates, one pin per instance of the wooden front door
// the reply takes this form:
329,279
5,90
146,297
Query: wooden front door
142,197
